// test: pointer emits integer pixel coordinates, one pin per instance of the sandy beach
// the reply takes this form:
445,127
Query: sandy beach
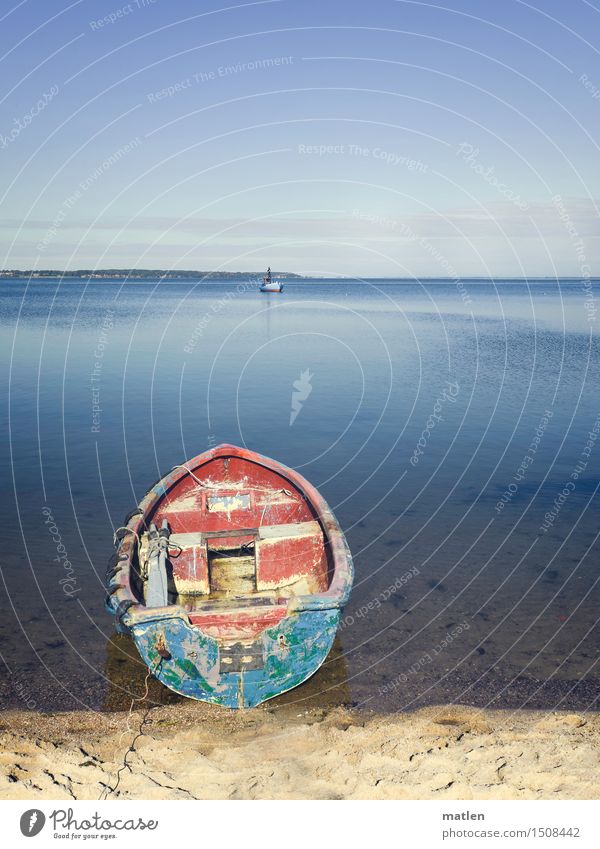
197,751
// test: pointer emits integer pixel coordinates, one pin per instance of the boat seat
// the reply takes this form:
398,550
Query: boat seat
238,619
239,603
276,557
294,529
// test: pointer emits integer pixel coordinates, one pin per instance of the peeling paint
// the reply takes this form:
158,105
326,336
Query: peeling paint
267,620
292,651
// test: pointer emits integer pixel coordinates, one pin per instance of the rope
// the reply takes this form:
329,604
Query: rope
104,795
124,528
204,484
207,485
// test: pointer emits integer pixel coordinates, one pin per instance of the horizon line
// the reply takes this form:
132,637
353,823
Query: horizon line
126,272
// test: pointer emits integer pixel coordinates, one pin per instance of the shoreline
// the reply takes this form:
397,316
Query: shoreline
199,751
289,277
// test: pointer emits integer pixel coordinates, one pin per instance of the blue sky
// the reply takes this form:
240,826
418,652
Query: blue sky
384,138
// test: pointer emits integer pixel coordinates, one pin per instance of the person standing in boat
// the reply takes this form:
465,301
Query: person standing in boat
269,285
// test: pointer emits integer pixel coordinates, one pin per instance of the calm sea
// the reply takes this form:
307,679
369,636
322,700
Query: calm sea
454,429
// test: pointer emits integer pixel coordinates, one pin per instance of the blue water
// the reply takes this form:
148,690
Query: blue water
418,405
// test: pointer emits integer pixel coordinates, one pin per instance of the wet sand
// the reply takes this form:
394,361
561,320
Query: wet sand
198,751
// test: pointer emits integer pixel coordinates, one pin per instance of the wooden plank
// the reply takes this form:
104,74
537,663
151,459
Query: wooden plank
185,540
232,576
295,529
231,532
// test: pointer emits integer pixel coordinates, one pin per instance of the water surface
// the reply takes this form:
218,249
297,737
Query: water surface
443,423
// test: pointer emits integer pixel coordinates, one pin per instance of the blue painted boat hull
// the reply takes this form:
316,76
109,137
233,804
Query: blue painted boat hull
190,662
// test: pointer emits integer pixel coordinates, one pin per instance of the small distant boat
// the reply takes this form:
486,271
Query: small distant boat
270,285
231,577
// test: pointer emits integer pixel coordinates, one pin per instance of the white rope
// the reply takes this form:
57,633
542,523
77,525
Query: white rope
204,484
129,530
207,485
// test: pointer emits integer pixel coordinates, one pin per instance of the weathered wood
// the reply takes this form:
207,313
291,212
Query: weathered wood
230,532
232,576
295,529
268,573
264,532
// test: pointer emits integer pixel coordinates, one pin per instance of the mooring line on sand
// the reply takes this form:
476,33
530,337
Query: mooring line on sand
140,733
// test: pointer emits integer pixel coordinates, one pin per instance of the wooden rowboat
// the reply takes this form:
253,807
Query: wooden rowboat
231,576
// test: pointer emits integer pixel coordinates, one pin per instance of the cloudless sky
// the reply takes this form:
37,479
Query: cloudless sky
383,138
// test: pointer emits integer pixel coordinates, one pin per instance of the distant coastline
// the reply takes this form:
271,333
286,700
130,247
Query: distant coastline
161,274
138,274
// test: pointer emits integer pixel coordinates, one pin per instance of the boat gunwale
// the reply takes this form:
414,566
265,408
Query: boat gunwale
128,608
